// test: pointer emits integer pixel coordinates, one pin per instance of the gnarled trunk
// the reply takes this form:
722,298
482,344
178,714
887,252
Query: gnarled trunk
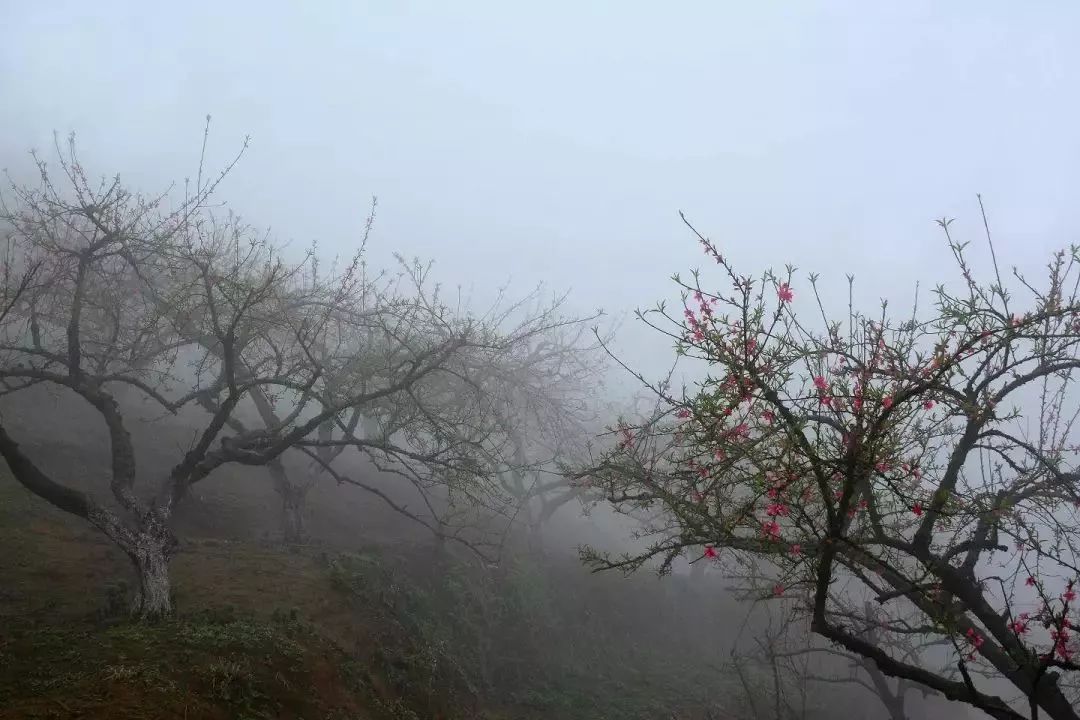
147,541
150,549
154,597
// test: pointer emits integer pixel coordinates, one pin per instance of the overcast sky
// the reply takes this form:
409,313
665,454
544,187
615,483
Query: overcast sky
556,141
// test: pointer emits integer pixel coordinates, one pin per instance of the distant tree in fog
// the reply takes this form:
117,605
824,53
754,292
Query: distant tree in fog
925,464
105,290
430,437
544,401
786,672
454,427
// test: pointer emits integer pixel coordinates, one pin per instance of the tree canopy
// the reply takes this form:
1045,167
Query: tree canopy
106,290
924,463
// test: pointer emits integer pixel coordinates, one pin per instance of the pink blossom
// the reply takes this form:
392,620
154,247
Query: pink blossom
778,590
796,549
785,293
821,383
768,417
1019,626
710,551
887,401
771,529
683,413
917,509
777,509
1061,643
1030,582
928,405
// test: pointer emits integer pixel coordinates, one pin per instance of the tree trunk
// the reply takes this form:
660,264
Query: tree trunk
154,598
896,709
150,550
893,700
536,538
292,518
293,504
440,551
148,543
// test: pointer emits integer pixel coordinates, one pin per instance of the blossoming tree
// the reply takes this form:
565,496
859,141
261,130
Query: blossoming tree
923,463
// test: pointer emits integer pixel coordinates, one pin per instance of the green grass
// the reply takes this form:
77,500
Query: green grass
191,667
376,634
259,633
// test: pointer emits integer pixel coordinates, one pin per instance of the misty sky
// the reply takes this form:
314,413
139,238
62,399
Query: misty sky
556,141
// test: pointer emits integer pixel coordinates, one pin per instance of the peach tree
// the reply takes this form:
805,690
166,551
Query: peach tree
924,463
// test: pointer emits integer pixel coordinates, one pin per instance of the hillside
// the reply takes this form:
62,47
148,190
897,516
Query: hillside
378,632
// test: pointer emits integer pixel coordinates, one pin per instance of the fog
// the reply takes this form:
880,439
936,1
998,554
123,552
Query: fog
554,146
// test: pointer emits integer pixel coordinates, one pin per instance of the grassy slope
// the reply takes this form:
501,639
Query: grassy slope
260,634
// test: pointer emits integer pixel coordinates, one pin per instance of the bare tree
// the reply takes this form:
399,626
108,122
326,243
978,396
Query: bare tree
775,685
292,489
449,439
798,669
187,306
543,399
456,428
